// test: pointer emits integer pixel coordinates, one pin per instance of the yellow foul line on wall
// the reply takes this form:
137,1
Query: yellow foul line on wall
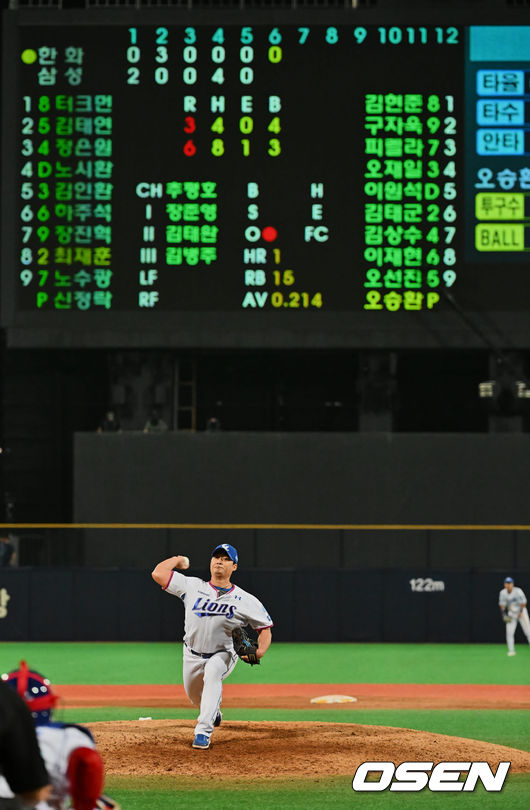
327,526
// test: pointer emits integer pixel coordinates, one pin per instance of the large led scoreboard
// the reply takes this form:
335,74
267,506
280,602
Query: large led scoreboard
281,178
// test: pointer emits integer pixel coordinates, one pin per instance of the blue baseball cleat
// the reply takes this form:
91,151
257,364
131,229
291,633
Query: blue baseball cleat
201,741
218,720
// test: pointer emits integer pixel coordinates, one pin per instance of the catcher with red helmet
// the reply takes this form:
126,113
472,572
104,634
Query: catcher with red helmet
69,752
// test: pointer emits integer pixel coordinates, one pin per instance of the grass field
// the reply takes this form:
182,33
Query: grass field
152,662
151,794
159,663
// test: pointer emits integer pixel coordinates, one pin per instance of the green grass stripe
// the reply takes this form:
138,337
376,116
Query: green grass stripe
161,662
173,793
507,727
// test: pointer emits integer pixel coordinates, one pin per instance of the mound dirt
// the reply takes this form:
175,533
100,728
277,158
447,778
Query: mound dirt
156,747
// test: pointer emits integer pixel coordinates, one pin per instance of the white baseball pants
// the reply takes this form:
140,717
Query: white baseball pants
511,627
203,682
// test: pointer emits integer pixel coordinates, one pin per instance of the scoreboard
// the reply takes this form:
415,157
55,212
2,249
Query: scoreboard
203,178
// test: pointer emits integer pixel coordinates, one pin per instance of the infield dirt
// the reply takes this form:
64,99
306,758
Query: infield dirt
298,696
289,749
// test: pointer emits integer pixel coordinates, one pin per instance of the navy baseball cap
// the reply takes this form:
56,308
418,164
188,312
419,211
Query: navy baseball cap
508,579
228,549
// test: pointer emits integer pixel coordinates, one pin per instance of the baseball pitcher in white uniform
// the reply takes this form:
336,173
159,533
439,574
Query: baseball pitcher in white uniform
211,612
512,603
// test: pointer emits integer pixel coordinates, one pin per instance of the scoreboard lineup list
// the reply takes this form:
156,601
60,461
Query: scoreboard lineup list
281,168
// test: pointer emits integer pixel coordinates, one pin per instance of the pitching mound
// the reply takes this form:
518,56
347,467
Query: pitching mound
153,747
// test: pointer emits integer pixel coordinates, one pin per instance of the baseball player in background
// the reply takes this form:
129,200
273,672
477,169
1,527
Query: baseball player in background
212,610
74,766
512,603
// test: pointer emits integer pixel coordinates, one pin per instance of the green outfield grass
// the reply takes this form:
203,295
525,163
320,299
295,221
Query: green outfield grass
160,663
298,794
152,662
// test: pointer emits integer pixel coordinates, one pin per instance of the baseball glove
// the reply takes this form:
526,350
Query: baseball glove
506,618
245,647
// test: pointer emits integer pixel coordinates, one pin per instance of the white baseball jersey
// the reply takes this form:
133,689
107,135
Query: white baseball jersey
513,602
209,618
56,742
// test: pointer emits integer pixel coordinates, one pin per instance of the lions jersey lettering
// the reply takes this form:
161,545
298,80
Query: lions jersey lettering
204,607
237,608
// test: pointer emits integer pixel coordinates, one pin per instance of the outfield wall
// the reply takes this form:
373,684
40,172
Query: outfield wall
328,604
302,478
424,549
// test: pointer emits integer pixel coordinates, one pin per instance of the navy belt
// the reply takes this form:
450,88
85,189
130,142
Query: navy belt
202,655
